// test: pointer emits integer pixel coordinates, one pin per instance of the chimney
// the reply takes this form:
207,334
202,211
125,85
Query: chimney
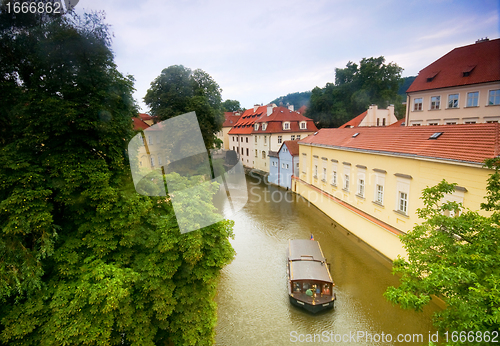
255,108
290,107
269,110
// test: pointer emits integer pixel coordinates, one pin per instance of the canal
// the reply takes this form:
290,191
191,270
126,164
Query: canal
253,306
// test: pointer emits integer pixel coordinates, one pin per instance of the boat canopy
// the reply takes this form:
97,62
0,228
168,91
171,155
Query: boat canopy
304,249
309,271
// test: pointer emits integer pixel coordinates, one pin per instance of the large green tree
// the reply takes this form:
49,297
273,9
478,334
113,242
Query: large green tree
454,257
356,87
231,105
84,259
178,90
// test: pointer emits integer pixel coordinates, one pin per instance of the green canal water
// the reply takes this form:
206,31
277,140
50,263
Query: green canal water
253,305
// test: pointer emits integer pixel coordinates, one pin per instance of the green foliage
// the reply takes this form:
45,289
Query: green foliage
231,106
178,90
84,259
407,81
355,89
297,99
455,258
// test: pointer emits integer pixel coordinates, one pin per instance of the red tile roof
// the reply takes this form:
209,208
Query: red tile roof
231,119
398,123
472,143
145,116
244,125
139,124
354,122
472,64
282,114
293,147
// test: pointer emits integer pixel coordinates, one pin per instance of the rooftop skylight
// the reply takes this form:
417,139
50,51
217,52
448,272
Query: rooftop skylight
435,135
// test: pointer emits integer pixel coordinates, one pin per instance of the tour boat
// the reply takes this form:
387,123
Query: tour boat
309,281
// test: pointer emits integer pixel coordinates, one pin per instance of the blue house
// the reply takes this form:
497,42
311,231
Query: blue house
283,164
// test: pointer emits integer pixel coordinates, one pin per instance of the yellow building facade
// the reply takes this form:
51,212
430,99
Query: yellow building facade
375,194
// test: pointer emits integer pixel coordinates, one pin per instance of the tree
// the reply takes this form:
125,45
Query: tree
355,89
455,258
178,90
84,259
297,99
231,106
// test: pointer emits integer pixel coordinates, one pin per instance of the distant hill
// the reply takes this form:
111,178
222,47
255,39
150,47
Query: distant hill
297,99
406,84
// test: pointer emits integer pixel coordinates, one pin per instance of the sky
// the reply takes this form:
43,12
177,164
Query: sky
259,50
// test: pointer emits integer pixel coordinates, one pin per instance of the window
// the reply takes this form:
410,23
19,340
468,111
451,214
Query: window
303,125
292,137
472,99
324,174
361,176
453,101
282,165
361,187
417,104
242,139
265,140
433,123
403,202
334,173
256,126
470,122
435,102
383,122
378,121
234,148
494,97
403,191
247,139
264,126
451,123
286,166
286,126
255,139
315,171
152,161
150,139
304,163
379,197
280,139
247,151
159,160
263,154
298,136
256,152
233,138
346,182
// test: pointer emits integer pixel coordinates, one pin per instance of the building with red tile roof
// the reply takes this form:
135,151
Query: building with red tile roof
373,117
240,135
139,124
230,119
370,179
148,119
461,87
274,127
284,164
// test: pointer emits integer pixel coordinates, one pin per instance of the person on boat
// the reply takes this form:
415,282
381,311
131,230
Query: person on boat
309,292
326,290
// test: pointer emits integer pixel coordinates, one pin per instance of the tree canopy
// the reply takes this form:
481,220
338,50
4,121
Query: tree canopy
84,259
178,90
454,257
231,106
356,87
297,99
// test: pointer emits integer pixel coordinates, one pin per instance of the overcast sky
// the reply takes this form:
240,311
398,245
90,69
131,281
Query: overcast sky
259,50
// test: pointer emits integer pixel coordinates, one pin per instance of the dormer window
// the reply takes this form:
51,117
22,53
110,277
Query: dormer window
256,127
286,125
264,126
303,125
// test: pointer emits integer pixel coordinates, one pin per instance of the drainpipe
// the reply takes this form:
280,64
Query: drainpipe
407,120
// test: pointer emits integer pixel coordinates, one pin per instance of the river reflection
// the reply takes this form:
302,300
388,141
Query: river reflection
253,306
